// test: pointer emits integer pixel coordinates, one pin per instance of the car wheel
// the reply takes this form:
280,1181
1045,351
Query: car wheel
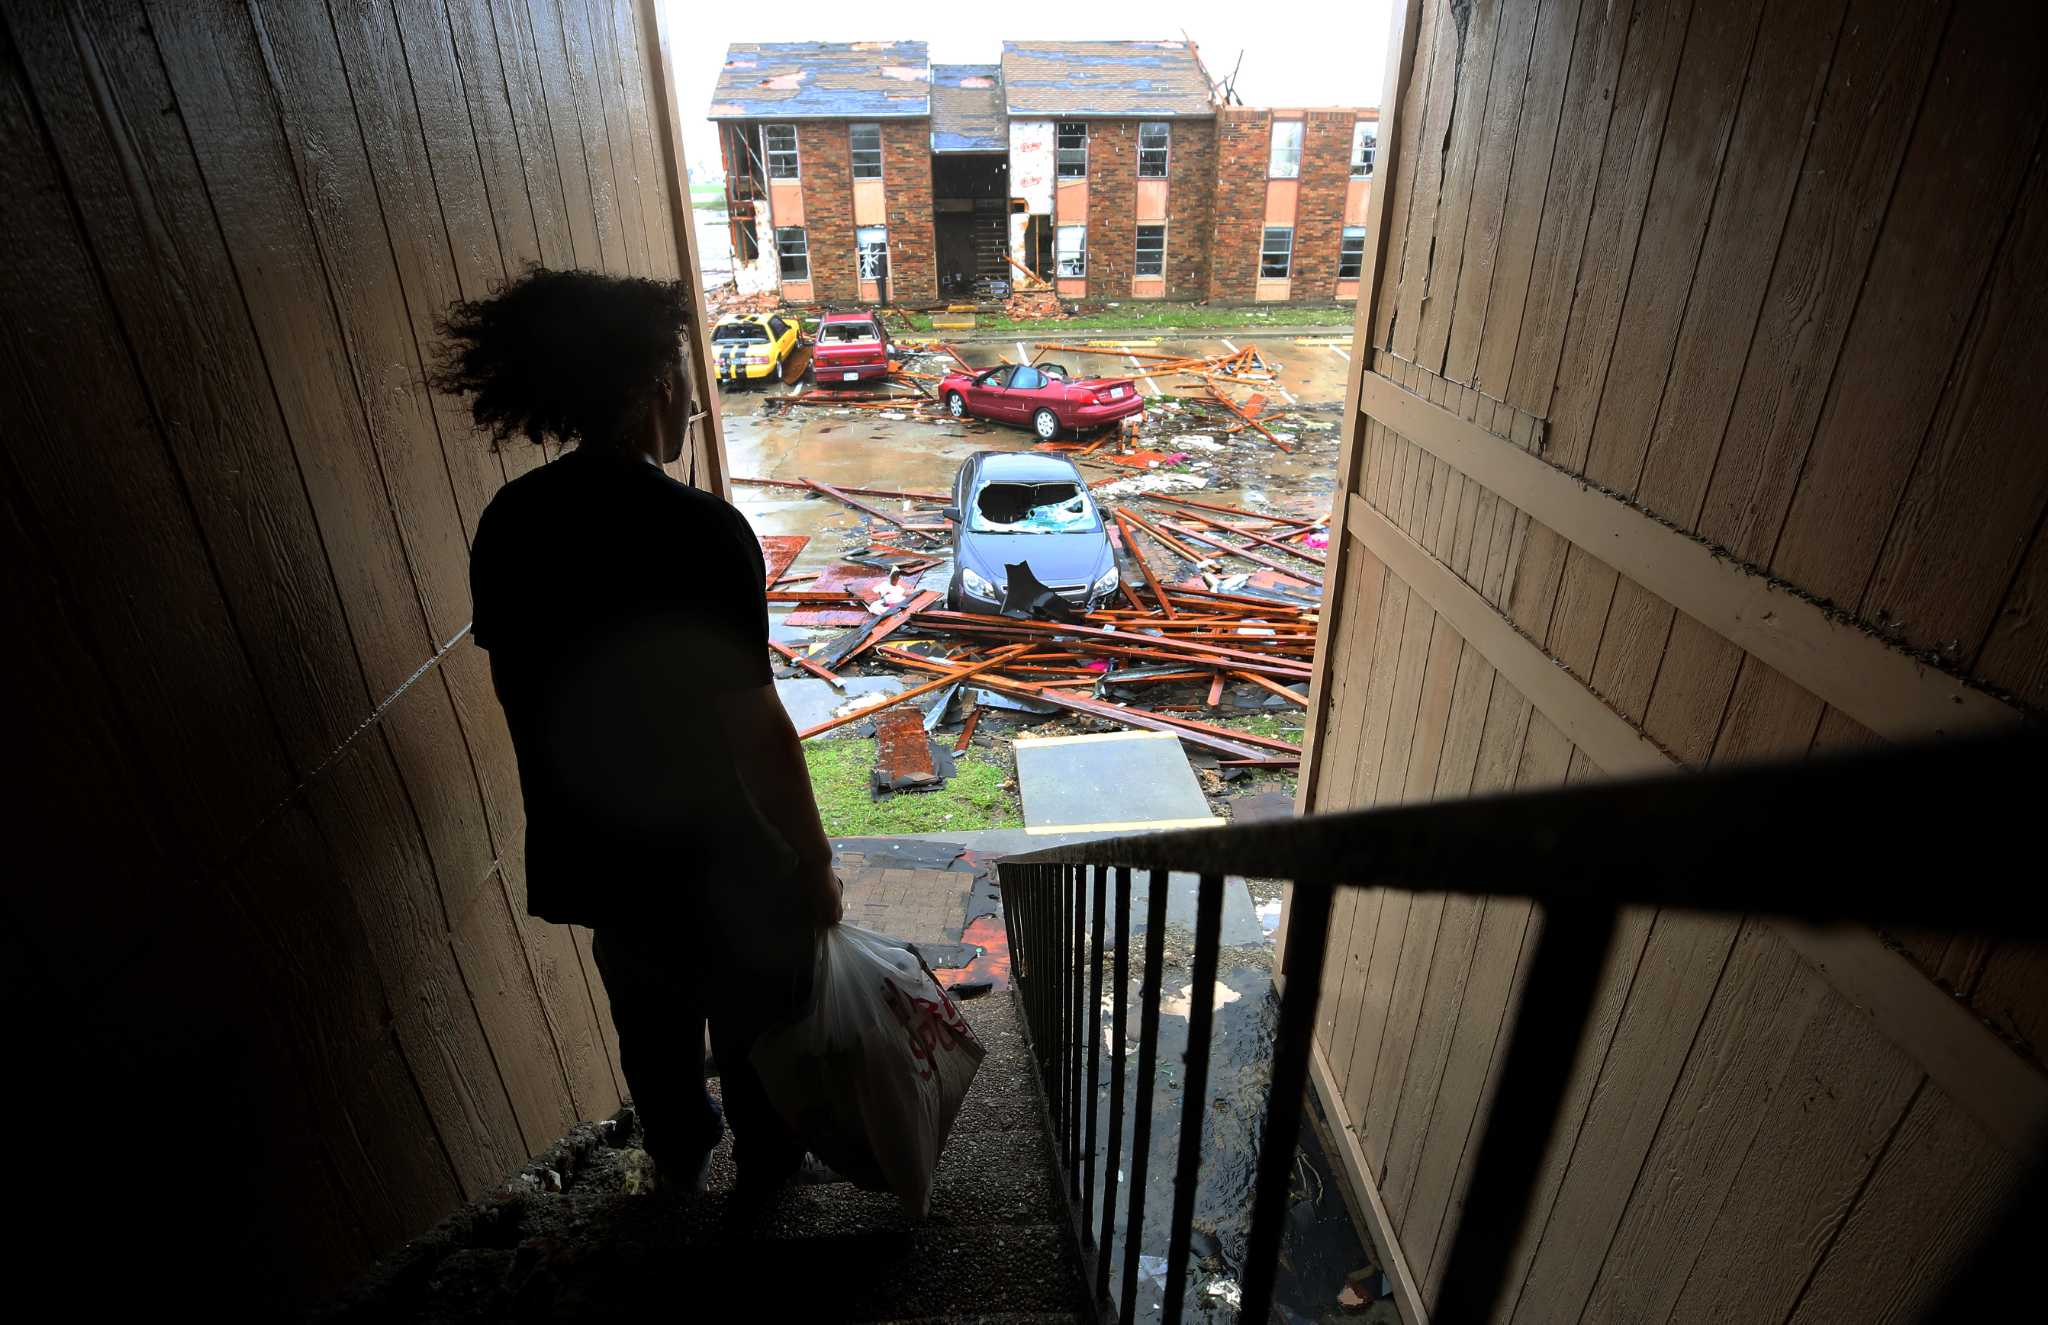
1046,424
956,405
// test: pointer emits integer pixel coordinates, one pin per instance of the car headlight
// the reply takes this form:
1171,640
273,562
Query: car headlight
1105,584
978,585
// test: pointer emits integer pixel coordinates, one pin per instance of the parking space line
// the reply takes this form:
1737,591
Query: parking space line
1145,382
1340,352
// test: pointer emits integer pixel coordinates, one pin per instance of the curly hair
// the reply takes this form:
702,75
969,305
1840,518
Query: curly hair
572,355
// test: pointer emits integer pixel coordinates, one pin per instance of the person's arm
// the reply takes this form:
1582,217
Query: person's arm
772,767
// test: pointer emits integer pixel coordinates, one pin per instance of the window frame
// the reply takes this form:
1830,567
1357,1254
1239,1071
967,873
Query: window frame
1356,260
783,254
860,252
1063,129
1365,134
854,150
1273,149
1165,150
772,155
1058,254
1138,250
1266,252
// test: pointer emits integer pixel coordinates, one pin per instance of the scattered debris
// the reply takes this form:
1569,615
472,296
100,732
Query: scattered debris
903,753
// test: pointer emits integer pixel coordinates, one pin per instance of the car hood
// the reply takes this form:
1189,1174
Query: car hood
1053,558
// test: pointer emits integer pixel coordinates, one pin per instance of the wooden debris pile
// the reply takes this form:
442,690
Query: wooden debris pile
1174,644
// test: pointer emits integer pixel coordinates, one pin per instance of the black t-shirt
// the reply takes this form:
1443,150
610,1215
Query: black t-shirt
619,606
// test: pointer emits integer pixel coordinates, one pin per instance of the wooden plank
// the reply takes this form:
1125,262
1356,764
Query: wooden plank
1851,166
1478,37
607,72
586,88
1818,1137
492,955
416,217
2013,657
1675,981
1612,742
1485,211
1446,49
489,160
173,286
1886,690
1741,1055
535,133
1550,204
1970,149
1394,185
646,172
1937,1194
568,136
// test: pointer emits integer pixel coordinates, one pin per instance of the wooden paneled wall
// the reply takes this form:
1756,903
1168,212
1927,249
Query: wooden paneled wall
277,1005
1697,426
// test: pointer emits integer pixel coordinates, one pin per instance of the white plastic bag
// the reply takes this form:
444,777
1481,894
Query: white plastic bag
873,1075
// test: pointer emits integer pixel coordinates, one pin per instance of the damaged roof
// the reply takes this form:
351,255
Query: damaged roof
794,80
967,108
1160,78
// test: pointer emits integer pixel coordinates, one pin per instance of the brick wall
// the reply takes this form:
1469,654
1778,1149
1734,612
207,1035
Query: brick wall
825,164
1112,207
1190,208
1243,146
1319,217
907,187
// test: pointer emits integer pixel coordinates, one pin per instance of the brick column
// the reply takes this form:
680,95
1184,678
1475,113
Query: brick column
1244,139
1319,217
907,190
825,164
1190,208
1112,207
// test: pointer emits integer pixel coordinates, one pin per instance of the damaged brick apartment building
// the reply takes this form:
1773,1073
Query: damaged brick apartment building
862,172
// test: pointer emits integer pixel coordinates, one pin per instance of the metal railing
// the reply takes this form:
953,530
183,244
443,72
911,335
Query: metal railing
1923,837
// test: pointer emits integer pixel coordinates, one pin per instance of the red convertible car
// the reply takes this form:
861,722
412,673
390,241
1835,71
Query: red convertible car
1040,397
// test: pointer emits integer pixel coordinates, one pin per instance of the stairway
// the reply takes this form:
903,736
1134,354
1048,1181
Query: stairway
992,247
995,1247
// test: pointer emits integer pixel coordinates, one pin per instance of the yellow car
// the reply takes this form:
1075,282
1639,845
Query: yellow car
753,346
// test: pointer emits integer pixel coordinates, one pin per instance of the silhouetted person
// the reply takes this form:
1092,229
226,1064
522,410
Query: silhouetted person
667,803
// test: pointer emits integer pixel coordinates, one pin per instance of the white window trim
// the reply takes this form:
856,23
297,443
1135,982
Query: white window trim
1057,149
852,152
780,275
1362,132
1344,236
1167,165
1159,275
859,273
795,153
1264,251
1058,262
1273,149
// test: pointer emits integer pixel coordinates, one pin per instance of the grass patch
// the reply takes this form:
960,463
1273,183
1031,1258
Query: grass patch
973,798
1272,726
1161,316
709,196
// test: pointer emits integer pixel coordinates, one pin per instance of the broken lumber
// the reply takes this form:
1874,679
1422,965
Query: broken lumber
996,659
828,677
1144,567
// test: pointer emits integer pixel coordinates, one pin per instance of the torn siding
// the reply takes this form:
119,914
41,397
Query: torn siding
789,80
967,108
1031,164
1121,78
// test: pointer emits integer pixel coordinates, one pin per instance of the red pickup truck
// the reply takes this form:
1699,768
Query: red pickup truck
851,347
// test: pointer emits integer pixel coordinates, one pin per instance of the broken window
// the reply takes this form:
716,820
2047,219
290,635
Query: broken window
1154,139
781,144
794,248
1070,253
1286,162
867,150
746,240
1151,254
846,333
1031,508
1276,254
873,244
1072,151
777,327
1365,142
1351,257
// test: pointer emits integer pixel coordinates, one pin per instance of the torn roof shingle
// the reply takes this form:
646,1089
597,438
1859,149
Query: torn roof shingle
967,109
789,80
1104,78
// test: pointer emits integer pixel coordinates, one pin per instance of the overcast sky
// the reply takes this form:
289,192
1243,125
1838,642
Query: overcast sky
1332,55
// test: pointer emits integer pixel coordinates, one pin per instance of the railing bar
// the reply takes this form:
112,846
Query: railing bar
1148,1066
1308,932
1114,1158
1564,975
1093,1023
1077,971
1194,1090
1065,1013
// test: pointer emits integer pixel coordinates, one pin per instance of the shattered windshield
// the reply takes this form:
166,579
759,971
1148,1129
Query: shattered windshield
848,331
1032,508
740,331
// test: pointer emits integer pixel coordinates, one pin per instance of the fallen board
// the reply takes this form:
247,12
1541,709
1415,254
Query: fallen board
780,551
1109,781
837,577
